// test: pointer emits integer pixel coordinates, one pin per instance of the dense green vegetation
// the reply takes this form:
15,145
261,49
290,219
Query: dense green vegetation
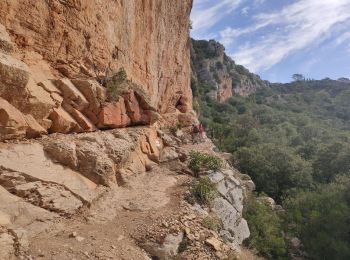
293,140
203,162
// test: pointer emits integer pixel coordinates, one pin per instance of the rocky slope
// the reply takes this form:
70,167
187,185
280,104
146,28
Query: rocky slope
218,73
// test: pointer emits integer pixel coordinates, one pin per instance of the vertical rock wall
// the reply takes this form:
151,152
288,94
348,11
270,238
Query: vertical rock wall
47,44
149,38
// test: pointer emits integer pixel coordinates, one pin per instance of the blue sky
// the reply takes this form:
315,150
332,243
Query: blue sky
277,38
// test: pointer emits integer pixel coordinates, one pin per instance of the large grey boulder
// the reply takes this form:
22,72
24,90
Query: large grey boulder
235,226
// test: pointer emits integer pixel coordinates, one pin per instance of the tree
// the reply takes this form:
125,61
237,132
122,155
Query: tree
298,77
274,169
266,229
320,218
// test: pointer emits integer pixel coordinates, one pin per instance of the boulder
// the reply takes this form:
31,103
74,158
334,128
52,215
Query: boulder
50,87
62,152
40,102
214,243
154,143
168,249
71,94
132,107
62,122
168,154
94,163
55,93
250,185
82,120
12,122
113,115
216,176
93,92
230,189
235,227
34,129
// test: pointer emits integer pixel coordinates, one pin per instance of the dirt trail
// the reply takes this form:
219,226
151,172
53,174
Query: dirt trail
108,227
145,210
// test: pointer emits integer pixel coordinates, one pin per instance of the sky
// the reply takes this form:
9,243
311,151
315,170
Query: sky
277,38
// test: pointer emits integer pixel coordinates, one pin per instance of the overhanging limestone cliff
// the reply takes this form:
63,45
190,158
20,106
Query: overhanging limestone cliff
55,39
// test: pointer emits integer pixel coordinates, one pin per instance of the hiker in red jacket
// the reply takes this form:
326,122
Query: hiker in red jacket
201,132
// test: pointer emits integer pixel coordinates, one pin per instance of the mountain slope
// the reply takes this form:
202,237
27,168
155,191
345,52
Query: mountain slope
218,74
293,140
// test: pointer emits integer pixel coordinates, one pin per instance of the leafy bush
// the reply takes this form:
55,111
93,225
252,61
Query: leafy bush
200,161
113,84
203,190
266,233
320,218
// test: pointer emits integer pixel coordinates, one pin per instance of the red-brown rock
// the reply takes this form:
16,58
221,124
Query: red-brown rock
132,107
34,128
113,115
83,121
62,122
71,94
12,121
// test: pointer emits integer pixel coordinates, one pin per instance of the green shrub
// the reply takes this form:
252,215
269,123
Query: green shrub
200,161
203,190
113,84
266,230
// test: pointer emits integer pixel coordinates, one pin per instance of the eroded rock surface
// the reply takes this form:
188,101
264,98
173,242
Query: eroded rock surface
148,38
213,67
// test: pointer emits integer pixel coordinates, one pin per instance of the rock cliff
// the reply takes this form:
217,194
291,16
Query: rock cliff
54,55
217,73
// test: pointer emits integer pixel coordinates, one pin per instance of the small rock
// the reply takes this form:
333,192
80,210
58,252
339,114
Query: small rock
165,224
73,234
215,243
79,238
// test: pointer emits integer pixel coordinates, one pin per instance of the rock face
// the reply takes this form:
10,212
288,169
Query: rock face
57,175
149,38
229,206
219,73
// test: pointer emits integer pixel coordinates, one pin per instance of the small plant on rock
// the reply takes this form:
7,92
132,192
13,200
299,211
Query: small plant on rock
200,161
203,190
113,84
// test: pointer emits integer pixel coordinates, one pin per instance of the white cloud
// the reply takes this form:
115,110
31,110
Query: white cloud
259,2
304,24
245,10
205,14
